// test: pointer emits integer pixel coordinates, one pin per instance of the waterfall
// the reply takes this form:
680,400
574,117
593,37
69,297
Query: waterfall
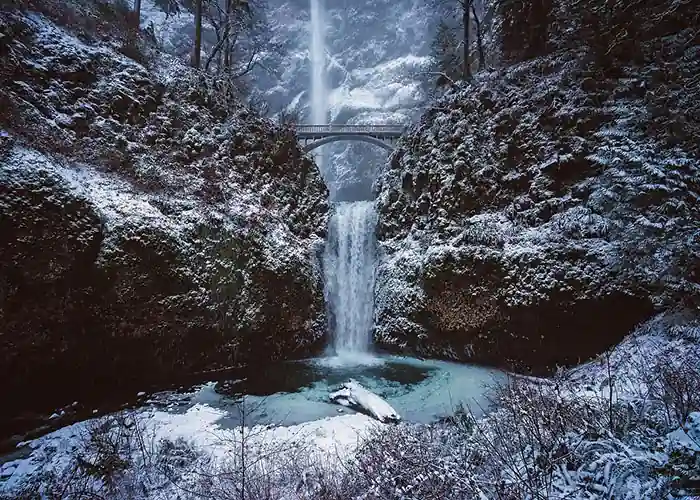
319,104
349,265
319,93
349,259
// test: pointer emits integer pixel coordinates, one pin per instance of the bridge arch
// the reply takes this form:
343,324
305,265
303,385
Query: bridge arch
315,136
348,137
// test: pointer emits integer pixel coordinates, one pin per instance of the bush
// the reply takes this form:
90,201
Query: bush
670,380
409,461
549,439
525,31
101,465
97,19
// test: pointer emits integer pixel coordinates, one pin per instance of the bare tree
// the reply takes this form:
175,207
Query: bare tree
466,7
479,37
244,41
170,7
231,19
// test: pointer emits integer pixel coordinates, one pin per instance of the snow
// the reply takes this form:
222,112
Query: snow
352,394
329,439
199,425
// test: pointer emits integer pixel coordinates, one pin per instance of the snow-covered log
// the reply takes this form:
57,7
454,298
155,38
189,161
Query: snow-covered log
353,395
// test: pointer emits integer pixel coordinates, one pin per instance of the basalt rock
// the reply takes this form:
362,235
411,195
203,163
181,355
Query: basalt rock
150,224
538,227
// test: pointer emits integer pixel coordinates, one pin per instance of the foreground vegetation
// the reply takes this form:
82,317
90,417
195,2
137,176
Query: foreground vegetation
624,426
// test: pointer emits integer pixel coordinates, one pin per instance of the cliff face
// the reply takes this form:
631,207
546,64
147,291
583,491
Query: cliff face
536,214
149,222
377,51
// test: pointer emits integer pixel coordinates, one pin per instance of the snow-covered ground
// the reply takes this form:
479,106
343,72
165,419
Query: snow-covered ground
297,424
327,441
564,437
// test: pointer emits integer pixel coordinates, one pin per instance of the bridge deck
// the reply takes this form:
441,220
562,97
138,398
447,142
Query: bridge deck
319,131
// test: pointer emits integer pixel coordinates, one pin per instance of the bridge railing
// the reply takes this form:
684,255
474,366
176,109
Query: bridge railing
355,129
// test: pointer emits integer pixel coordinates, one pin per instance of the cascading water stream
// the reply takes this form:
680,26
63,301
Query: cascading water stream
349,259
349,265
319,93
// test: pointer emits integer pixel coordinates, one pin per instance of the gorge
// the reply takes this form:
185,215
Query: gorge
183,283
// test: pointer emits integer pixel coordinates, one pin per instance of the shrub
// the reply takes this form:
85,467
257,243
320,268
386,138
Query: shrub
548,439
408,461
670,379
134,47
102,463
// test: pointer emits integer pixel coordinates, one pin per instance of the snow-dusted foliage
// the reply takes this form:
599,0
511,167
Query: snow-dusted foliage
150,222
540,211
157,454
592,433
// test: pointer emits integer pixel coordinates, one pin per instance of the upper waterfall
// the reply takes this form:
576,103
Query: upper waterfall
319,91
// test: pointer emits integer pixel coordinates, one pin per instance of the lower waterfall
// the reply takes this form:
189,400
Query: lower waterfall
349,266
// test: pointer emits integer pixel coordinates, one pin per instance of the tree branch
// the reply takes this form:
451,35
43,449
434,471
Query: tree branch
437,73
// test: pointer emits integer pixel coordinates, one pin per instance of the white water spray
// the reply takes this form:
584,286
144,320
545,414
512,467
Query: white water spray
349,264
319,93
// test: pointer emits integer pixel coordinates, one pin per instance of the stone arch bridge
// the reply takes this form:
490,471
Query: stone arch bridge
314,136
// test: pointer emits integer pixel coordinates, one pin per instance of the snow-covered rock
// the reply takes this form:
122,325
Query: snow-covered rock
539,212
150,223
377,54
352,394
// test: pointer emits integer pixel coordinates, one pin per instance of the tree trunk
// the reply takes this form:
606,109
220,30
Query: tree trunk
137,12
227,41
479,40
197,34
465,23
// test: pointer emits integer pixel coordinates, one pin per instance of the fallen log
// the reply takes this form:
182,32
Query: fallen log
353,395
